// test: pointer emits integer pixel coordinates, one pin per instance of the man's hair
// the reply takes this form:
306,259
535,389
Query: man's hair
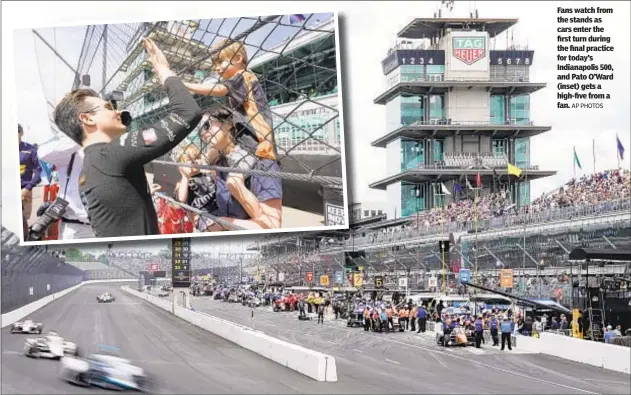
67,113
219,113
227,49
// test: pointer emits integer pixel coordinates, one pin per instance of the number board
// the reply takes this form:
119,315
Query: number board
181,263
512,58
413,57
378,281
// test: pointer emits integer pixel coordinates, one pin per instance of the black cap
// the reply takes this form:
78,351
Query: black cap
20,128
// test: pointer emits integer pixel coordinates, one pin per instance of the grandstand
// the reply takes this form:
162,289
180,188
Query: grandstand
31,273
535,240
224,267
100,271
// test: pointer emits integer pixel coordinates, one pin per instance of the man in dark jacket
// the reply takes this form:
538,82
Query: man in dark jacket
113,185
494,330
421,317
479,330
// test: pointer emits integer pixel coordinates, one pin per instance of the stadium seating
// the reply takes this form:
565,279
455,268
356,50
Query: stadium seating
100,271
591,194
31,273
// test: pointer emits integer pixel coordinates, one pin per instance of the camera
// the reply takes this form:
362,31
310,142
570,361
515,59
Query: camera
47,214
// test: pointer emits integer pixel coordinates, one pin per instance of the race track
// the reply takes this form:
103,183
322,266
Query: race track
184,358
414,363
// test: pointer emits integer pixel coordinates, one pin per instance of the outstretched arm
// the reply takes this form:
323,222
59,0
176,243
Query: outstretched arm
214,90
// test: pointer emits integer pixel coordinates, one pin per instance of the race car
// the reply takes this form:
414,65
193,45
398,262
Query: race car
104,371
163,294
27,326
105,298
459,336
50,346
233,298
253,302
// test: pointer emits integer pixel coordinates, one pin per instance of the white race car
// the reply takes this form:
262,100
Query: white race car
163,293
50,346
27,326
105,371
105,298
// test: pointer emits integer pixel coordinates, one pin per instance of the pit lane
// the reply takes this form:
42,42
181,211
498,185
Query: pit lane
414,363
184,359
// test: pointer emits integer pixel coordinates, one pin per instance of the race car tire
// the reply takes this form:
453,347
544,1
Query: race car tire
144,383
30,352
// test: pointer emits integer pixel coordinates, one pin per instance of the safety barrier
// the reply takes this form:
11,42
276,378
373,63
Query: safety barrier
18,314
313,364
606,356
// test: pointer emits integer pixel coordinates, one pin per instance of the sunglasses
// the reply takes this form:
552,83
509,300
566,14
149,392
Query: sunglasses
126,117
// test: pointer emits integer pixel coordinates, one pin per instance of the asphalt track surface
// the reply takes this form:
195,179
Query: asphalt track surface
183,358
414,363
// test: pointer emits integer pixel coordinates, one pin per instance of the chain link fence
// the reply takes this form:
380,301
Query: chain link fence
270,84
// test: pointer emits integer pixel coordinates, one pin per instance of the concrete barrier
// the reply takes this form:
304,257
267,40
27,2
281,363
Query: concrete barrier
313,364
18,314
602,355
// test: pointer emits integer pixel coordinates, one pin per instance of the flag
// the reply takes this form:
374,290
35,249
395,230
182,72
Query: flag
514,170
444,189
576,161
457,188
478,180
296,19
620,148
47,171
469,184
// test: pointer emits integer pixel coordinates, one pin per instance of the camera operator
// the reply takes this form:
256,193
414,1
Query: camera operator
113,185
68,157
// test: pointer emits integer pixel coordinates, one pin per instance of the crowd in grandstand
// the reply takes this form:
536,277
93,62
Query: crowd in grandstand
606,186
589,189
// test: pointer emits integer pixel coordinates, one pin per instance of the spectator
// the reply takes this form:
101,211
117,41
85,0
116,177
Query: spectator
113,185
254,206
30,173
609,334
67,156
245,97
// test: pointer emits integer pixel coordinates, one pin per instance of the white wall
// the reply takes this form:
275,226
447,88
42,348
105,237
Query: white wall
393,114
393,157
464,105
393,204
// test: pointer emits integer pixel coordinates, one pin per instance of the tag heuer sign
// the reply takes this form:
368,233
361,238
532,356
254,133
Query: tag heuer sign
469,49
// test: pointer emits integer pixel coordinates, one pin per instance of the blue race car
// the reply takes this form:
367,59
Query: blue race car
104,371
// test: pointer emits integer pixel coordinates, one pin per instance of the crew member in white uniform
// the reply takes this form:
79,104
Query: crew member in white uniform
74,222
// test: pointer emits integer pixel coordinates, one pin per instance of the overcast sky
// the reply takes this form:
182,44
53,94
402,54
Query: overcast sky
367,31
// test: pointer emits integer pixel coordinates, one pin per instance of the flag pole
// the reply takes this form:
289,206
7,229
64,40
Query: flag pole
475,221
442,238
574,162
594,154
525,222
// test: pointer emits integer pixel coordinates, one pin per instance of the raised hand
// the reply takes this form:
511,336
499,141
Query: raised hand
158,60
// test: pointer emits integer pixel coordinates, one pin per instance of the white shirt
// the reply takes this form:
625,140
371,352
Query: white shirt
58,152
